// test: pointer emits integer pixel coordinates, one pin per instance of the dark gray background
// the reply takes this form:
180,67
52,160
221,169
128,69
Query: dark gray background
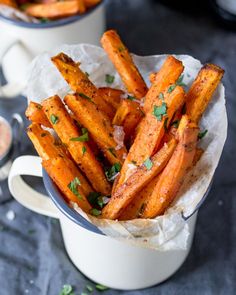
32,255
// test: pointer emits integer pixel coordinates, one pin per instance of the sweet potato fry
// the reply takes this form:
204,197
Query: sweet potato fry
56,10
44,142
111,95
48,149
202,89
152,129
136,206
98,125
173,174
76,142
35,114
69,180
123,62
166,77
128,115
137,181
91,3
10,3
80,83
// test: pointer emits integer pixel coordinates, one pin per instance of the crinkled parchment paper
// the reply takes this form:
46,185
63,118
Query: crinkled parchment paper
16,14
170,231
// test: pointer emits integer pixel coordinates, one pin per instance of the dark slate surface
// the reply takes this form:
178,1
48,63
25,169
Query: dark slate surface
32,255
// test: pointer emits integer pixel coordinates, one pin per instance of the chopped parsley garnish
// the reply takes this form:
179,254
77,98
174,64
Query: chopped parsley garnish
112,151
31,231
165,124
113,171
161,95
101,287
202,134
84,150
148,164
73,186
44,20
82,138
130,97
87,74
85,97
160,111
175,124
95,212
97,200
180,82
66,290
89,288
109,79
54,119
121,48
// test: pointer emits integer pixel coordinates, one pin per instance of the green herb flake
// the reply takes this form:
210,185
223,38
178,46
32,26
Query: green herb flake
148,164
31,231
202,134
73,185
85,97
131,97
161,96
165,124
171,88
112,151
95,212
44,20
66,290
109,79
82,138
160,111
54,119
180,82
97,200
121,48
84,150
175,124
87,74
134,162
101,287
89,288
43,134
113,171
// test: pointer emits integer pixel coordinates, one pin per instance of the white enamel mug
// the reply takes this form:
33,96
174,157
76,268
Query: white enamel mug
22,41
102,259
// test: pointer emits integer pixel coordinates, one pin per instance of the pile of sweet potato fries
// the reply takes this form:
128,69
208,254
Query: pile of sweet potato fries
122,155
51,9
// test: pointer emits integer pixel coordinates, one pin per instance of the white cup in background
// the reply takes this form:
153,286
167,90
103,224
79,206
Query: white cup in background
21,42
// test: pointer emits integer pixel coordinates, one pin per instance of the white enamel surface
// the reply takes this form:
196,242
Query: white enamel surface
102,259
116,264
19,45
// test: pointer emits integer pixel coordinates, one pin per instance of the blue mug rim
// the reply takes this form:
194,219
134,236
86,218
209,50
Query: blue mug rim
52,24
73,215
63,206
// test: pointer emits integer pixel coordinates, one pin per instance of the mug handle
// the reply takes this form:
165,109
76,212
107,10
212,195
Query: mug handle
23,193
12,89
